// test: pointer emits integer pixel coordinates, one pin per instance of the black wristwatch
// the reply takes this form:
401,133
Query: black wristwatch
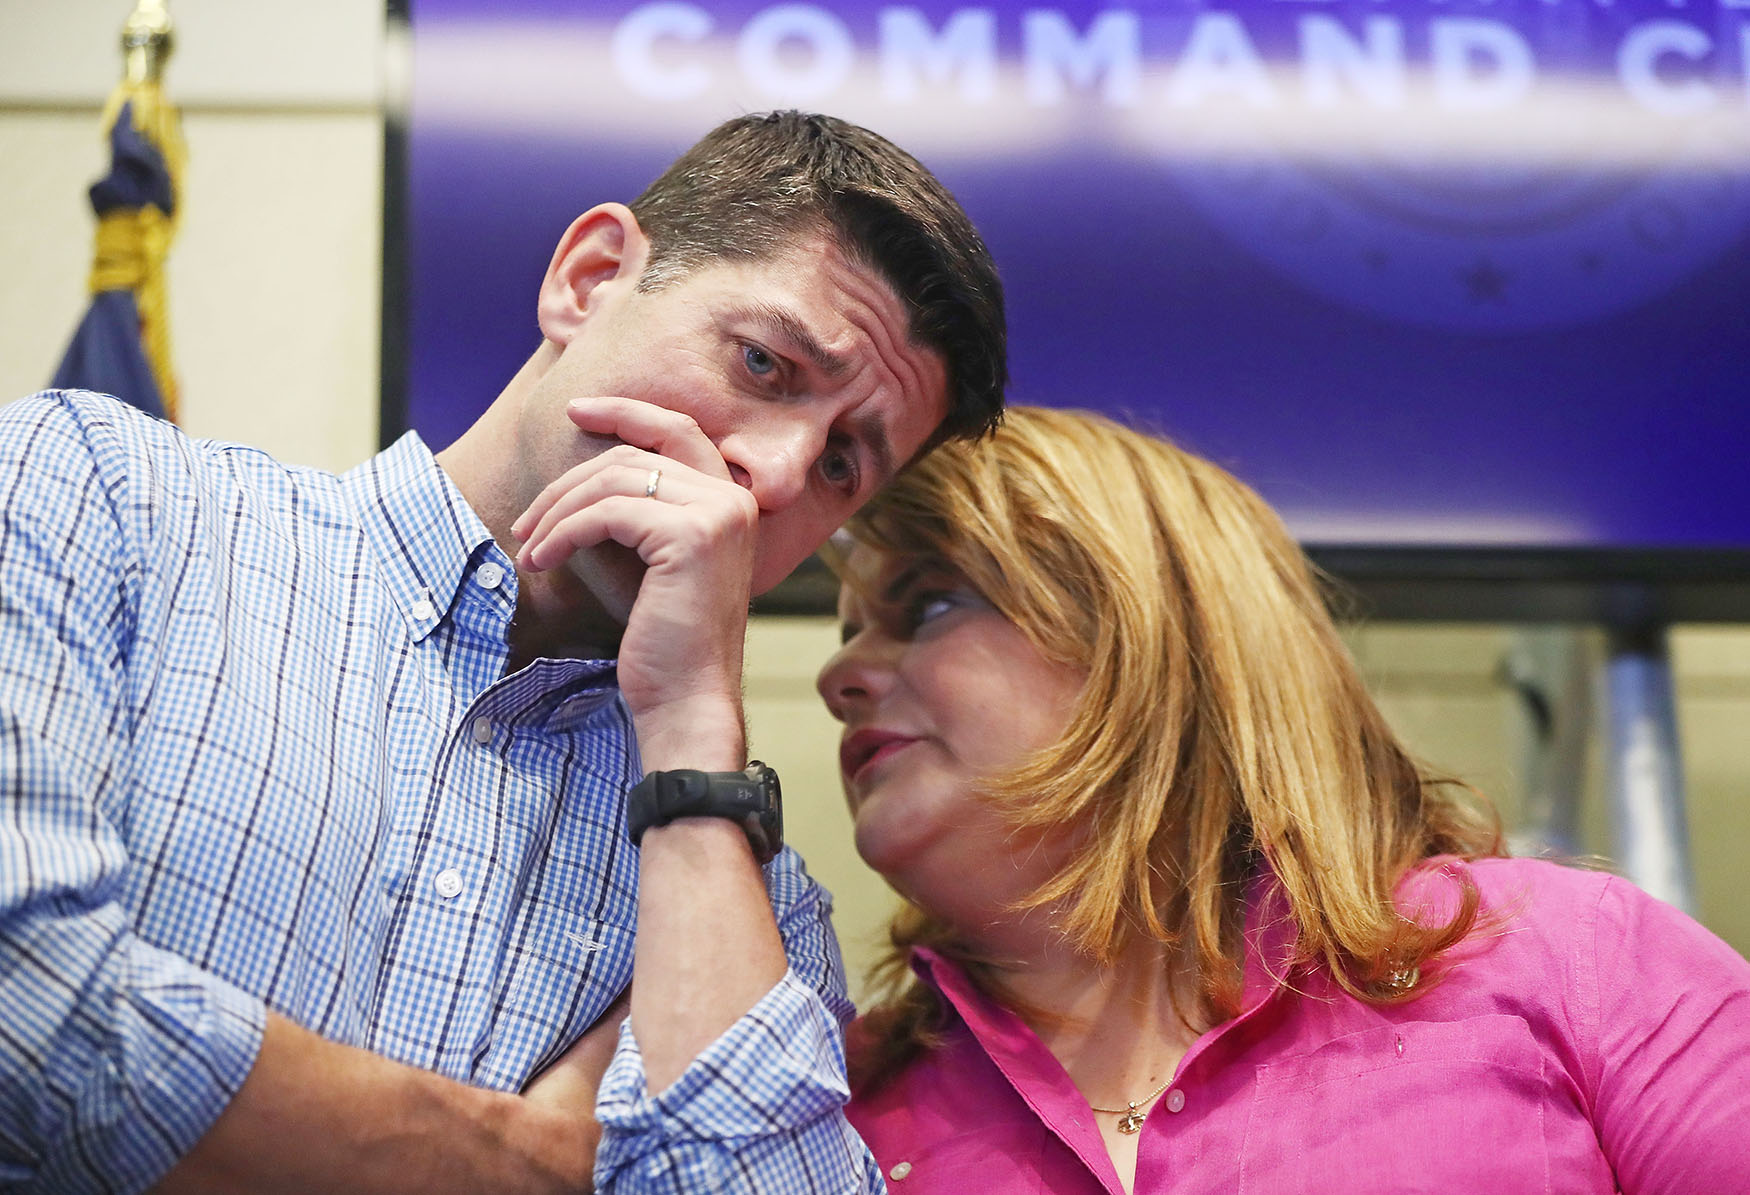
751,798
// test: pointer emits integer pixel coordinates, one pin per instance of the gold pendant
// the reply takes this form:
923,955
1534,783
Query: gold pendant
1131,1121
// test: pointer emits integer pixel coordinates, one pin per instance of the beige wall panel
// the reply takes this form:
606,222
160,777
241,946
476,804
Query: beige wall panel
1713,714
256,52
45,240
275,284
1437,687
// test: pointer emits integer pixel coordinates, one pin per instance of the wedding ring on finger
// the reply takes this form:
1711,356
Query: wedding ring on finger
650,486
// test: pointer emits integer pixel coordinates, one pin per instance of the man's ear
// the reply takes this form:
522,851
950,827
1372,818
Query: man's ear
601,254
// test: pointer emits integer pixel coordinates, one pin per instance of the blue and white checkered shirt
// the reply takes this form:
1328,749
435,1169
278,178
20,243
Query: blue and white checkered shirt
257,752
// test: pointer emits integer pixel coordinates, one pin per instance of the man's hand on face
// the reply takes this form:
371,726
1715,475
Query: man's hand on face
680,657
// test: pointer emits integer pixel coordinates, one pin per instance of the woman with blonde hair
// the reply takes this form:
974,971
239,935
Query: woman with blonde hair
1182,914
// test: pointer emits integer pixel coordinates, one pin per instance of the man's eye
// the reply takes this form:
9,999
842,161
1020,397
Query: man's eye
758,361
839,469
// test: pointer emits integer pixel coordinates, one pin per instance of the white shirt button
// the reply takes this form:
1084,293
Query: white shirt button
422,610
481,730
489,575
448,882
1175,1100
899,1171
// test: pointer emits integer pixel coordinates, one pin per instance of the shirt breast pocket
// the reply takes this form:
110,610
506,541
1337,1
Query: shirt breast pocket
1408,1107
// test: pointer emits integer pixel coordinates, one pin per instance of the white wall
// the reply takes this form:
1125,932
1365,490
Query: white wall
274,287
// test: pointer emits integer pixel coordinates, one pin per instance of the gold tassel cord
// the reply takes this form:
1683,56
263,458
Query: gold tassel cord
130,253
129,244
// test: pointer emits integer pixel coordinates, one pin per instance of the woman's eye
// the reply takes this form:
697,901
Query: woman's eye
758,361
928,606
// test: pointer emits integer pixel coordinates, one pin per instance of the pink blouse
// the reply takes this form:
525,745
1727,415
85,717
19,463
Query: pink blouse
1594,1040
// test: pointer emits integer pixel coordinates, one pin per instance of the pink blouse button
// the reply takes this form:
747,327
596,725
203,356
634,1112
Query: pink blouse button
1175,1100
899,1171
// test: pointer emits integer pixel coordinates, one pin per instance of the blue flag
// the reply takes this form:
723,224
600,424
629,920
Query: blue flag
113,349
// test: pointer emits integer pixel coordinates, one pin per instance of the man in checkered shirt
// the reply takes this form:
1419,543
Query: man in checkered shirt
313,866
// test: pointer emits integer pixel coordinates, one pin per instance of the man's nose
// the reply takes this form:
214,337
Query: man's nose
773,461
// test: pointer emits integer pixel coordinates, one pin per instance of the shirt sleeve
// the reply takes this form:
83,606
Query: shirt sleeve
761,1110
115,1056
1673,1091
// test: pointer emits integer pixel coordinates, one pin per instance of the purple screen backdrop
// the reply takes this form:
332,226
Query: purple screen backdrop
1428,273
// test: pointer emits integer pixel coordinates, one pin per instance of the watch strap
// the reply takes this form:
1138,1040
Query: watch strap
748,798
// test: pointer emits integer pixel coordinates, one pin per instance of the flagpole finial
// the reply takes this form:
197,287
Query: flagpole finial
147,41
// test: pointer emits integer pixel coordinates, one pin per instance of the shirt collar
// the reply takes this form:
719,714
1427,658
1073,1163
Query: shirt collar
1005,1037
1016,1051
421,527
1036,1075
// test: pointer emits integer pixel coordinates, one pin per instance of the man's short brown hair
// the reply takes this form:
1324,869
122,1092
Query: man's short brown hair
755,183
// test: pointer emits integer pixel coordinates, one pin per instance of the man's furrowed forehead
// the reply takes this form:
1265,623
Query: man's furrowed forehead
810,244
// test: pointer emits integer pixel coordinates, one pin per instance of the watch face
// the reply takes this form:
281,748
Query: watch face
771,817
768,779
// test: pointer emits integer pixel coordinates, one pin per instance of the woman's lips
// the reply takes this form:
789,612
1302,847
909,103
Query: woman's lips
863,749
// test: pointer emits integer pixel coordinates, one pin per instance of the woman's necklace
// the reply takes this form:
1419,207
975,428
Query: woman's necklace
1130,1119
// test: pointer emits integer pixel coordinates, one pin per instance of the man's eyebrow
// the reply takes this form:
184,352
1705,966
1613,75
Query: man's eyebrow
785,323
873,433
